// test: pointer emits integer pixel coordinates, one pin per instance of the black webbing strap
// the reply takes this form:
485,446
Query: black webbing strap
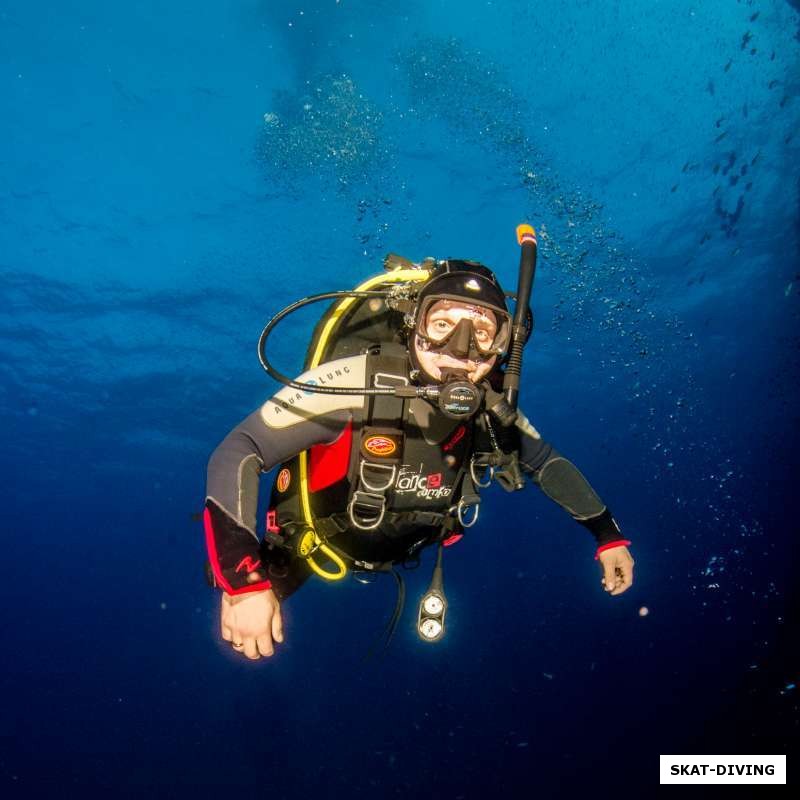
389,367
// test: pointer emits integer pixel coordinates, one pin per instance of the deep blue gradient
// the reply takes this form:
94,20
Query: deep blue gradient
172,174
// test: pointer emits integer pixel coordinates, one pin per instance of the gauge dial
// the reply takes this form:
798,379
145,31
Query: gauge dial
430,628
433,605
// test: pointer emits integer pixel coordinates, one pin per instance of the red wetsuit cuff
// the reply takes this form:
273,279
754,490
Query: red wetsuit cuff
261,586
609,545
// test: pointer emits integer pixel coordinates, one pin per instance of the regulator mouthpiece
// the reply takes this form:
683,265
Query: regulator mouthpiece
458,397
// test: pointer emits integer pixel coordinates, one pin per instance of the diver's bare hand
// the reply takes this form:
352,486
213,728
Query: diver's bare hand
251,622
617,564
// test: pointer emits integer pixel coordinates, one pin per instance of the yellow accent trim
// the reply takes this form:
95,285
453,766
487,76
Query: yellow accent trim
397,276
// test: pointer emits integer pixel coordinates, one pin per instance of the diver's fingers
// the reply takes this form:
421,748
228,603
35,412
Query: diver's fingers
609,576
625,581
264,643
627,573
224,617
277,626
250,647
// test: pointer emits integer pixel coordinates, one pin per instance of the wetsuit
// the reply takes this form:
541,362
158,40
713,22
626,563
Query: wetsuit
294,421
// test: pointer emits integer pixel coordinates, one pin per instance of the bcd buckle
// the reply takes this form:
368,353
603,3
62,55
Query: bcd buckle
366,500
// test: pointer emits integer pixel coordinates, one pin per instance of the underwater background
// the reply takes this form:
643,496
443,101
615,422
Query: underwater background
173,174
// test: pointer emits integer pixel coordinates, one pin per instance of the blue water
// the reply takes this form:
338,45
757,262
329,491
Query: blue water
173,174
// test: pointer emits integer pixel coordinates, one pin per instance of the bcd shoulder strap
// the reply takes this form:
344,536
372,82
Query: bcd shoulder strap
375,463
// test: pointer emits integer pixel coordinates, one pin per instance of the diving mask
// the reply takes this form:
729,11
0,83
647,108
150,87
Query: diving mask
462,328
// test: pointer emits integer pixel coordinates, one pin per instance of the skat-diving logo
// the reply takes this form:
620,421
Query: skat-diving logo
426,487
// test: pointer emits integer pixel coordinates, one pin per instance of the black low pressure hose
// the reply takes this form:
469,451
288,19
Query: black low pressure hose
437,579
308,387
391,626
526,237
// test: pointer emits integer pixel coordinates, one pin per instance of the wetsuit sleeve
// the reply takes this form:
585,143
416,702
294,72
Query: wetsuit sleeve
251,448
287,424
562,482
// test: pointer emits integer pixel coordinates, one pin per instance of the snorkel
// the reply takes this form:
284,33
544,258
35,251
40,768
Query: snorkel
526,238
504,406
458,400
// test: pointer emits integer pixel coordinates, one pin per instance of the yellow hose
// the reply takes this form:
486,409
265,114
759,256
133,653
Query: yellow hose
397,276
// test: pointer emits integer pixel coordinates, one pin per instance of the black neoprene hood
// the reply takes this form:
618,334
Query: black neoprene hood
469,280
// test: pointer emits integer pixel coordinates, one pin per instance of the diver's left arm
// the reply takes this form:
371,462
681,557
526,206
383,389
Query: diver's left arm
562,482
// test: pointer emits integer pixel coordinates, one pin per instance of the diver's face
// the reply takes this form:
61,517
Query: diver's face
442,318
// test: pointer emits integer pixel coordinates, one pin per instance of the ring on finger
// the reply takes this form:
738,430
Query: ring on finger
238,645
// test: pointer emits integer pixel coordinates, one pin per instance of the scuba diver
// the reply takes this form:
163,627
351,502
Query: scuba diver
406,409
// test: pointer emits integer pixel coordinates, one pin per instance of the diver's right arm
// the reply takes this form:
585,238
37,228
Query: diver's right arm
251,448
250,617
284,426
